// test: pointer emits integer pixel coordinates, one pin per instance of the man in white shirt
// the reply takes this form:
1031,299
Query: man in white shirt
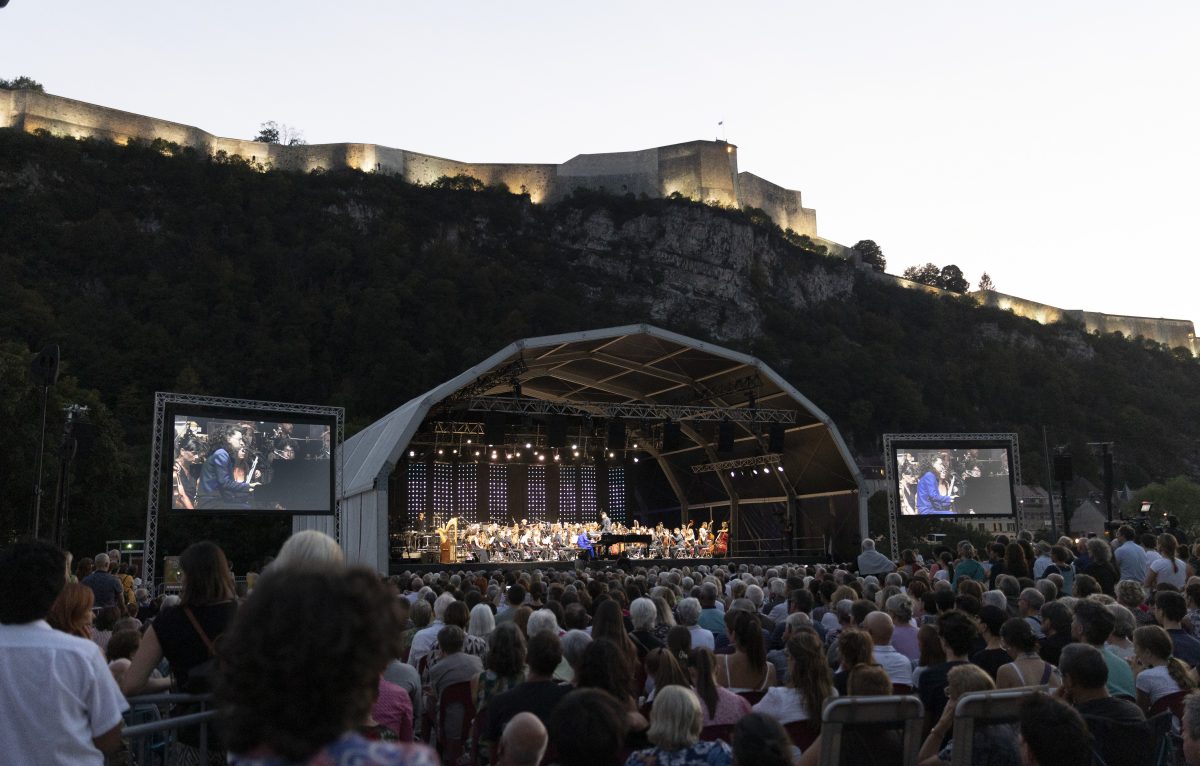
60,702
426,638
1043,560
898,667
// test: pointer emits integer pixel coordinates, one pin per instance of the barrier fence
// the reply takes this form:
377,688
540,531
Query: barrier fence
149,735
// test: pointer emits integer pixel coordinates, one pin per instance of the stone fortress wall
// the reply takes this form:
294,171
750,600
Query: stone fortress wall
702,170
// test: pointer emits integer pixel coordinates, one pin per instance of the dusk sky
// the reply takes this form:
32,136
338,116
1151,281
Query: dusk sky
1055,145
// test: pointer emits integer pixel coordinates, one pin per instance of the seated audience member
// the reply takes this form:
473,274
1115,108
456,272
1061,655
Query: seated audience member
675,723
688,613
1027,667
991,658
932,653
574,644
957,633
455,665
504,666
523,742
904,634
1120,642
760,740
59,699
1056,625
392,712
1085,685
1092,625
1053,734
307,548
869,744
747,668
993,743
301,667
663,670
538,694
719,705
1169,610
898,667
854,649
809,683
643,614
1156,672
588,728
1131,595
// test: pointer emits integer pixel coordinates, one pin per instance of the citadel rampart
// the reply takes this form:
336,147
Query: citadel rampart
702,170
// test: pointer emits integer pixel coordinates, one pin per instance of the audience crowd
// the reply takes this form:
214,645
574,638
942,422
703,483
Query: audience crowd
722,663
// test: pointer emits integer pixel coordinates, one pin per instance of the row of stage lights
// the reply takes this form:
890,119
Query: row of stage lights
512,453
766,471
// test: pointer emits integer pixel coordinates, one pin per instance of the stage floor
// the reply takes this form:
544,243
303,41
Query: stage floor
402,565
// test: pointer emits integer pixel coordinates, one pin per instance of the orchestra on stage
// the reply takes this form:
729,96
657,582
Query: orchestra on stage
556,541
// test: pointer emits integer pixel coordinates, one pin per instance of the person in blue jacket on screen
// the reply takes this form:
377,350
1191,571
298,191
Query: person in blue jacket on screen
218,488
934,496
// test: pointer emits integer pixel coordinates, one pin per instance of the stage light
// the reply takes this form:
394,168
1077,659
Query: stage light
455,452
493,454
779,468
612,454
557,458
575,453
508,456
635,460
635,445
468,441
574,446
476,453
528,445
441,451
541,458
412,453
755,471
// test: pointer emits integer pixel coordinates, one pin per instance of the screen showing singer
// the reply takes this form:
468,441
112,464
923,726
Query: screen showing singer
953,481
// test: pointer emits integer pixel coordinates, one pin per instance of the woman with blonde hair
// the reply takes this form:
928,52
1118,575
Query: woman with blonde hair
993,743
675,722
1156,672
71,611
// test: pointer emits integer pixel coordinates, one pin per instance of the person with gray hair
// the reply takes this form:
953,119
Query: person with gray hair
308,547
688,613
1030,609
872,562
106,588
904,633
543,620
426,638
574,644
995,598
523,742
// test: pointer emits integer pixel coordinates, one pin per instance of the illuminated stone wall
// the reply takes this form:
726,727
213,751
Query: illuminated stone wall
783,205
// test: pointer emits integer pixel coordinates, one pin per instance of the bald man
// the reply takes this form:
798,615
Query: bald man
523,742
898,667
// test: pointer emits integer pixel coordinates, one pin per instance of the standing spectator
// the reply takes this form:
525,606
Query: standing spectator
1131,557
872,562
1029,608
1102,568
61,705
995,552
1015,563
106,588
968,567
1042,549
72,612
301,669
1169,610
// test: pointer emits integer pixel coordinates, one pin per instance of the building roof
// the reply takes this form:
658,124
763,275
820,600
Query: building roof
593,370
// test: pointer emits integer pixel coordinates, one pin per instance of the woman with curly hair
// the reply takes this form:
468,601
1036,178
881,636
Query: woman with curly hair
301,667
71,612
854,649
809,682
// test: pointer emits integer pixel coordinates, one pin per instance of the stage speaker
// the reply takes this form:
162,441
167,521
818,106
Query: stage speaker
775,438
1062,468
616,434
43,371
725,436
672,436
493,428
556,432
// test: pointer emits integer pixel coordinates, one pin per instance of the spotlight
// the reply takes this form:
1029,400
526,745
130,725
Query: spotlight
575,453
476,453
468,441
612,454
412,453
557,458
635,460
541,458
635,445
493,454
528,445
574,446
779,468
441,451
731,474
508,456
755,471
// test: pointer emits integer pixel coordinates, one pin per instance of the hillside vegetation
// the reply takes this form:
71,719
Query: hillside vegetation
157,269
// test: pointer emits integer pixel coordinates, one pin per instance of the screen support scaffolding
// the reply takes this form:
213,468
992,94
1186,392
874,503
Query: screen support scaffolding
161,401
889,461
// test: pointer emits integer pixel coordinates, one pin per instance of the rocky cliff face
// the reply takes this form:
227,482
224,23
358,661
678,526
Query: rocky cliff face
709,270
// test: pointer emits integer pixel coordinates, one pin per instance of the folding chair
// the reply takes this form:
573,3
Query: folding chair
1002,706
843,713
452,730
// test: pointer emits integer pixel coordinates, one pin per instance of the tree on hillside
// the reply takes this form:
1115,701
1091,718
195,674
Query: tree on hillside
871,254
986,283
929,274
951,278
22,83
272,132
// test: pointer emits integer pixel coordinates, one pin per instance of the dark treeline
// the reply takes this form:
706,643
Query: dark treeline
157,269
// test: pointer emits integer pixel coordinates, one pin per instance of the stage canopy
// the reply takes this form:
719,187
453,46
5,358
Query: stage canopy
720,427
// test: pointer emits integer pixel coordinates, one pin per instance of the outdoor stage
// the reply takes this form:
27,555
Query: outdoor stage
400,565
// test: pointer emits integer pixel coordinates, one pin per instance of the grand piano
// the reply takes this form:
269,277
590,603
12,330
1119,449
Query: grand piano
608,541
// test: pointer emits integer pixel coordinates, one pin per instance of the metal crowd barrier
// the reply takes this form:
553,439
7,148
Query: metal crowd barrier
149,741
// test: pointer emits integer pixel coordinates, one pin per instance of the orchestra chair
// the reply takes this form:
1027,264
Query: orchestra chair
1003,706
843,714
452,735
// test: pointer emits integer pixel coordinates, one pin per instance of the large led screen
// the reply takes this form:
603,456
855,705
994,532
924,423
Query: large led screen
231,461
954,479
